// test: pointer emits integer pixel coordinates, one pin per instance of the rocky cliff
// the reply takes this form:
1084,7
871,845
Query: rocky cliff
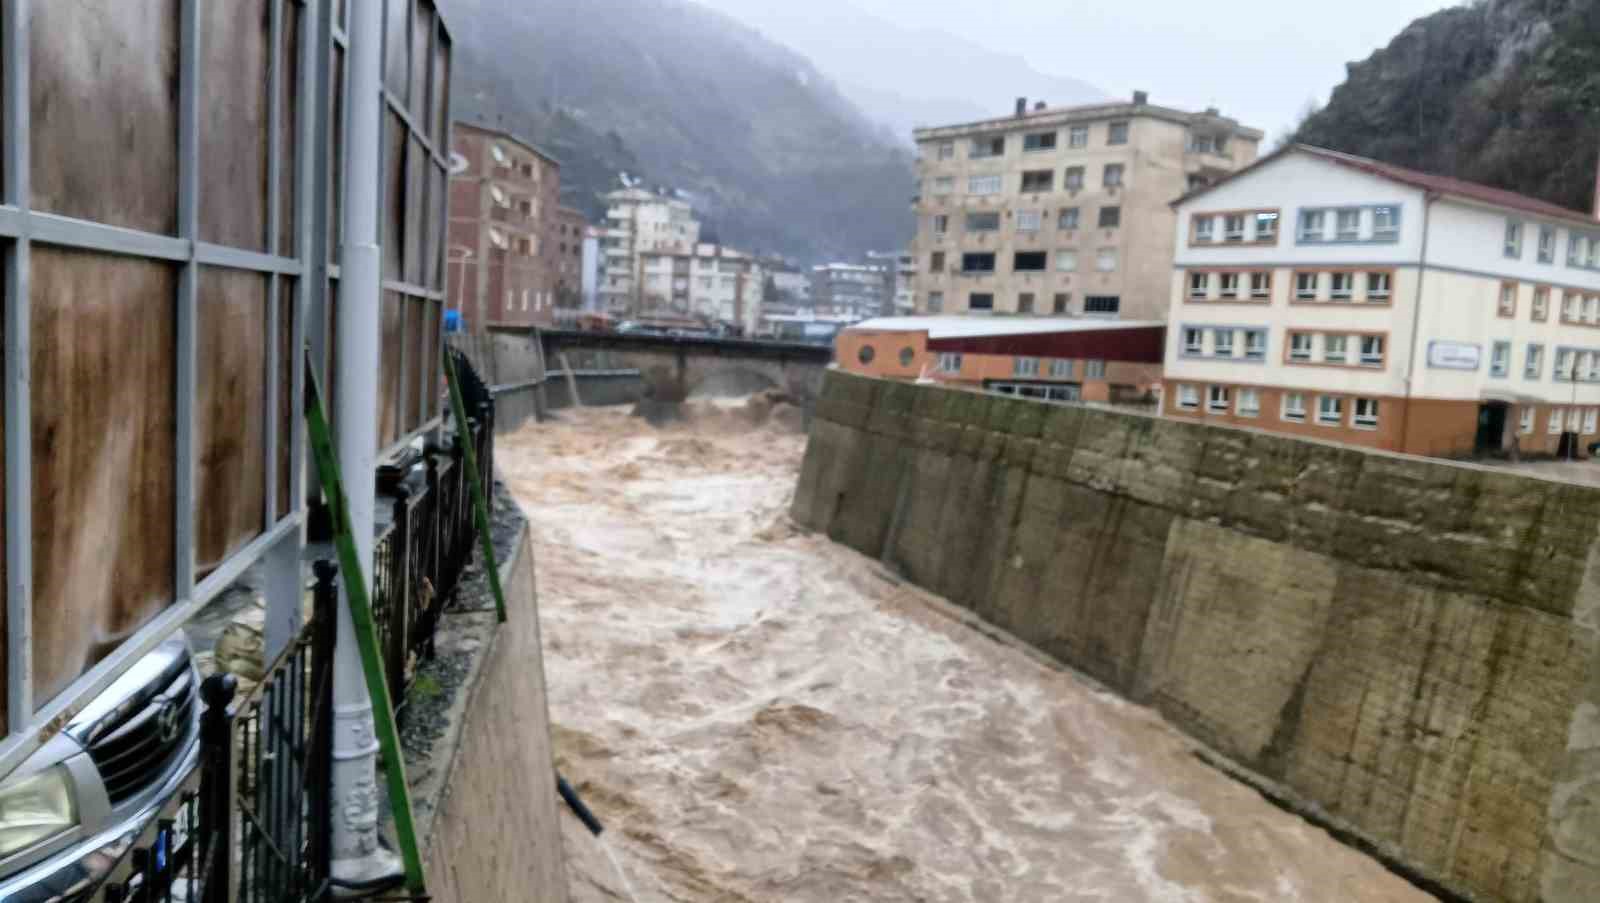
1504,92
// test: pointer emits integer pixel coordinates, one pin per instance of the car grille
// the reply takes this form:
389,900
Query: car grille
134,752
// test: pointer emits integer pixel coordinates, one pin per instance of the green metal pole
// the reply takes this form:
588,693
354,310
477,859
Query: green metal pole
355,590
480,499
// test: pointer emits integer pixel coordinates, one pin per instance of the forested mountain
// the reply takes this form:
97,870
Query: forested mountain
772,156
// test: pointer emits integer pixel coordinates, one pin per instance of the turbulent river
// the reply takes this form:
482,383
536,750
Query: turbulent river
760,715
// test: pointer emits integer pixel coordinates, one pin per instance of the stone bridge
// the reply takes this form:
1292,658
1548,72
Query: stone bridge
673,368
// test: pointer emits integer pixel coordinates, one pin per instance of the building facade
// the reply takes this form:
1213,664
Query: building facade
503,265
902,269
714,284
639,222
1333,296
1062,212
570,227
852,290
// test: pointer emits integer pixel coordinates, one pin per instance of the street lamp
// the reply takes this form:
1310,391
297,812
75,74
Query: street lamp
460,254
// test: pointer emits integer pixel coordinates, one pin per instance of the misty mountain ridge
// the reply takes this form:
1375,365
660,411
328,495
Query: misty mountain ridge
773,156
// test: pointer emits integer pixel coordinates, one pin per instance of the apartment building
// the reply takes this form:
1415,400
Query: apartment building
852,290
1063,212
902,269
639,221
1328,295
714,284
503,264
570,227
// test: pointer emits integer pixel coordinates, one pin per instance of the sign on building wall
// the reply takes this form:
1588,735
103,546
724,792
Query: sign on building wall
1454,356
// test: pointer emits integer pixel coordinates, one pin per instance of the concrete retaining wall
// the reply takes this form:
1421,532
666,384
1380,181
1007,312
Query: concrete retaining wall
1403,648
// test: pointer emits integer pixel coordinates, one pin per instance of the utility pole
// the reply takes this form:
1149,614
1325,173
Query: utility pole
358,860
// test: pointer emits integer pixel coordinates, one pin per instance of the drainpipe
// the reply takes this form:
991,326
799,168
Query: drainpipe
1416,317
358,860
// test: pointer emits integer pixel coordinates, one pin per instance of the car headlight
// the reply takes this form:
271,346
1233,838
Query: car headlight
35,808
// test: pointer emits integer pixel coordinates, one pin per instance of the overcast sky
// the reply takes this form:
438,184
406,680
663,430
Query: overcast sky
1261,61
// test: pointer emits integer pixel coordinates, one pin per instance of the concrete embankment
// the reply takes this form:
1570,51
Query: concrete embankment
1404,649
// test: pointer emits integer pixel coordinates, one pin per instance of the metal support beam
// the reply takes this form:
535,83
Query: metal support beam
186,347
18,362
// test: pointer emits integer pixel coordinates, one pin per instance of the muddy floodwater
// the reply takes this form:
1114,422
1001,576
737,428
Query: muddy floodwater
759,715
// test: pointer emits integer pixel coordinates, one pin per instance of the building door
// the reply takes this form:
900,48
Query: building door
1491,427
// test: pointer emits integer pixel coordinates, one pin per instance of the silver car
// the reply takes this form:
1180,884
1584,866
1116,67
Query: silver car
71,813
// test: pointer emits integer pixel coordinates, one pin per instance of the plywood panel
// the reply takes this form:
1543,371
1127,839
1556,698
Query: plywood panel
414,207
395,47
103,428
416,362
433,276
230,414
441,93
289,358
234,125
288,127
389,382
394,196
104,104
421,47
433,377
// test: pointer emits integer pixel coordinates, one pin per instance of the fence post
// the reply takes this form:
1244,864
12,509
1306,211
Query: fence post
401,591
485,449
218,788
319,765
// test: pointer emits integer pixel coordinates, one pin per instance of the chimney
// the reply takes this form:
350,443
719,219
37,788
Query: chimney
1038,106
1140,98
1022,106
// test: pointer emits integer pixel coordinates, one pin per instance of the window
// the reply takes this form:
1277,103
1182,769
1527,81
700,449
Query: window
1068,219
1205,228
1594,252
1366,416
1249,403
1073,179
1334,348
1553,426
1110,217
1188,397
1311,225
1348,225
980,301
1547,244
1575,247
1514,240
1500,360
1564,364
977,263
1266,227
1330,410
1590,418
1078,136
1508,299
944,185
1194,341
987,147
866,354
1372,350
1039,141
1037,180
936,262
1233,227
1294,407
1305,286
1527,420
1222,342
1230,285
1260,286
1025,366
1299,346
1591,309
1028,220
1378,286
1255,344
1386,223
947,150
941,223
1061,302
1066,261
1199,286
1541,304
1030,262
1060,369
1094,370
949,362
1217,399
1202,144
1106,260
1343,287
1533,362
1117,133
936,302
1102,304
983,222
1113,175
984,184
1569,306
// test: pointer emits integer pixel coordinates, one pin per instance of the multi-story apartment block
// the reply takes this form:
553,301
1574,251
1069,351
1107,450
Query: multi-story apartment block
503,201
1063,212
640,221
902,269
1329,295
570,227
851,290
714,284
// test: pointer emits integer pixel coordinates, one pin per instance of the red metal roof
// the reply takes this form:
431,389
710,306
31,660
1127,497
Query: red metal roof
1446,185
1139,345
